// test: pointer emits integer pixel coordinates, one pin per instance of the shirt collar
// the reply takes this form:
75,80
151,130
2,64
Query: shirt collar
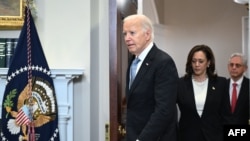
237,82
145,51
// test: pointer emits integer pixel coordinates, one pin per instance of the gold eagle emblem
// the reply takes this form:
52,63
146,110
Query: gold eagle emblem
42,109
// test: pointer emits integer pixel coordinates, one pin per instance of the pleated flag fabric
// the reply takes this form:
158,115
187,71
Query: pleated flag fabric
29,109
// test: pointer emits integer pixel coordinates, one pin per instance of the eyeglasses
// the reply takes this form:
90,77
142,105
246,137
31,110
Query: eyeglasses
236,65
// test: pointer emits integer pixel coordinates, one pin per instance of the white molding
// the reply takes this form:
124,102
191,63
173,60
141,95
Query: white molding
148,8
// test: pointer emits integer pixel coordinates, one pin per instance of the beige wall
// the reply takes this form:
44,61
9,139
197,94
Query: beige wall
216,23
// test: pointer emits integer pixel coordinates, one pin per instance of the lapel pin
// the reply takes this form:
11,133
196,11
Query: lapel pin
213,88
146,64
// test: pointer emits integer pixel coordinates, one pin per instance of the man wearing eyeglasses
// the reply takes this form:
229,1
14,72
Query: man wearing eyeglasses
237,106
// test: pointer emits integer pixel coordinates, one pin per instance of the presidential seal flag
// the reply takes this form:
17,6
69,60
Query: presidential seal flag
29,106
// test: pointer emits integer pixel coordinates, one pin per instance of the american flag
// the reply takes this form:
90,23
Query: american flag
23,116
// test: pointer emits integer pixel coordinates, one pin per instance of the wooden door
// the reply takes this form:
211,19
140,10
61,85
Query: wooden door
118,65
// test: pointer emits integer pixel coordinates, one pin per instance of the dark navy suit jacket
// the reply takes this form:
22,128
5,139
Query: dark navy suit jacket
241,113
151,100
208,127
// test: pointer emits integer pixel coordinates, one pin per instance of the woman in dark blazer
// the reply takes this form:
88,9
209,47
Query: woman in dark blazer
200,98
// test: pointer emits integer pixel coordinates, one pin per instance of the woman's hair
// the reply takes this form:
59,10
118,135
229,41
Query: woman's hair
210,57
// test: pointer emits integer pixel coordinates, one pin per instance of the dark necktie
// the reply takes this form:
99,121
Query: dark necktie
133,70
234,97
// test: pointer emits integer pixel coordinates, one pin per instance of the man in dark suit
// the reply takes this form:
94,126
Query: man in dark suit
151,95
237,66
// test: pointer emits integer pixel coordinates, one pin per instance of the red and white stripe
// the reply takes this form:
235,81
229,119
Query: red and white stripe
22,118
